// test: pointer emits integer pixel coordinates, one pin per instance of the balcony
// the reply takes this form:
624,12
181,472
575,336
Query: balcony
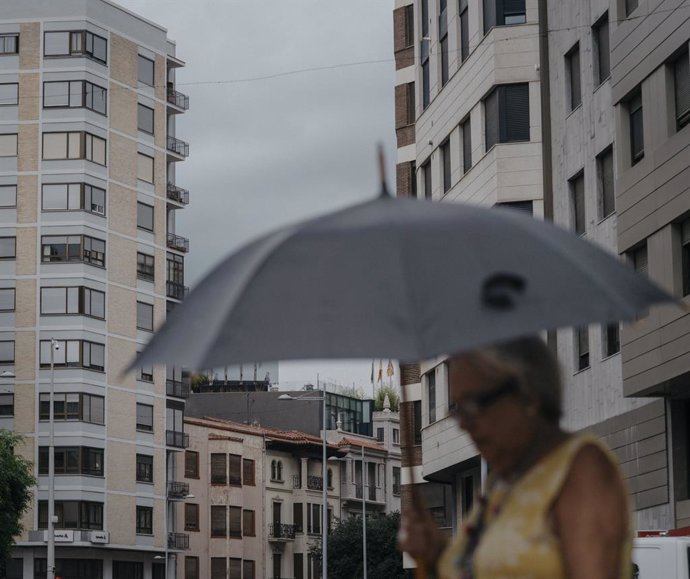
281,532
178,242
296,481
177,388
178,194
178,146
178,491
315,483
180,100
176,439
176,290
178,541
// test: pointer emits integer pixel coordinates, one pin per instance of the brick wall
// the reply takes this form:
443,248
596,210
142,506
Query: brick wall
405,184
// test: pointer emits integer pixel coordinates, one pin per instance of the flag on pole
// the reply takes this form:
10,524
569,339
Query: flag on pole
372,370
390,371
380,376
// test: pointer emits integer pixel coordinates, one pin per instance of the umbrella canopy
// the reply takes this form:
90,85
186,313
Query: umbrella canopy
397,278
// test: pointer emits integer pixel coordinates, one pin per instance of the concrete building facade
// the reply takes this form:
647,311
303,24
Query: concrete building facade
92,261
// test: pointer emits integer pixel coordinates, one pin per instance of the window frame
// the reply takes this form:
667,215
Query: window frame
9,186
143,324
219,531
86,191
16,99
682,118
83,92
191,517
636,111
144,520
13,137
85,145
248,472
84,409
141,175
143,267
141,106
84,455
573,77
235,520
577,196
89,514
144,210
447,174
6,404
8,360
611,339
601,49
89,256
195,471
501,114
188,573
214,464
144,468
141,426
13,255
431,395
80,48
82,295
141,58
606,208
8,52
582,348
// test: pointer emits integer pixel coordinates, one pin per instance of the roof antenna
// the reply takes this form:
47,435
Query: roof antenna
382,171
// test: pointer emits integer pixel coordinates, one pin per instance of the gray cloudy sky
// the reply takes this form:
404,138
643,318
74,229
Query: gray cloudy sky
266,152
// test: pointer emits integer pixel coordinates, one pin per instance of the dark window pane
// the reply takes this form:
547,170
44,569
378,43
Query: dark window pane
145,119
681,71
144,216
606,183
146,67
636,128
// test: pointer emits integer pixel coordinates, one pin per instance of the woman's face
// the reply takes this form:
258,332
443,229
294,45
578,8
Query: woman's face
499,421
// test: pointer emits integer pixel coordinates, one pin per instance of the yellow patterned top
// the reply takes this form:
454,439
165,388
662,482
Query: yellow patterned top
517,541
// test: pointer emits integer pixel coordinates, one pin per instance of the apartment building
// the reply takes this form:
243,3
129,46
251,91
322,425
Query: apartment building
257,500
608,104
91,263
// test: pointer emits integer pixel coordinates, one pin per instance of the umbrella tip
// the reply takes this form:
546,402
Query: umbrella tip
382,171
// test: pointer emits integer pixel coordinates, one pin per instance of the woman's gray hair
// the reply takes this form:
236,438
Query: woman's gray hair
532,364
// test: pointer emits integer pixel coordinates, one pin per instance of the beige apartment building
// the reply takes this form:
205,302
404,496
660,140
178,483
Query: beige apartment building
90,265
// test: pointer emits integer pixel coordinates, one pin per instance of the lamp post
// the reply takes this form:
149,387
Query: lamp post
51,464
324,476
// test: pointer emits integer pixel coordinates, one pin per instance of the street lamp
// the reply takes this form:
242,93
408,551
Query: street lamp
324,476
54,345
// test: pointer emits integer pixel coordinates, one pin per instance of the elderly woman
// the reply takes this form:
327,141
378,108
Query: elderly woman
555,505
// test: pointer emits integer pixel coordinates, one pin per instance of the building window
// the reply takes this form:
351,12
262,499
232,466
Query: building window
248,471
144,216
191,567
144,417
70,569
424,52
577,203
235,469
73,406
248,569
8,248
191,517
9,94
607,196
685,250
219,568
145,168
219,472
76,43
572,70
144,373
74,354
144,317
431,393
409,25
681,76
73,197
146,70
7,299
72,460
144,520
235,568
506,111
74,145
298,517
8,196
443,35
80,300
426,179
630,6
145,266
396,481
380,434
71,248
313,518
612,339
445,164
191,464
602,55
636,128
75,94
396,436
219,523
145,119
72,515
466,128
503,12
417,422
6,405
9,43
7,352
235,526
8,145
276,470
248,523
464,31
144,468
581,348
409,103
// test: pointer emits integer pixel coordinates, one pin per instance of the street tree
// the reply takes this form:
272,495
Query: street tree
384,560
16,481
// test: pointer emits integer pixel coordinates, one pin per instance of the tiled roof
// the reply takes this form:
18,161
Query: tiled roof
365,443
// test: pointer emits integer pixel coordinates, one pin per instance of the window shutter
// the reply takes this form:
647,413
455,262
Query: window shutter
682,74
515,113
489,14
491,119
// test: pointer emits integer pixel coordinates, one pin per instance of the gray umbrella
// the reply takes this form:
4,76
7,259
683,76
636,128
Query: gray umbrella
397,278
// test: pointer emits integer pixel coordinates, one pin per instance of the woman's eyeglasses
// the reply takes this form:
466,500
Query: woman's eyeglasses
474,405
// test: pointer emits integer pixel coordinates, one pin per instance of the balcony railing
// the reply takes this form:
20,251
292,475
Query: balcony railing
296,481
176,439
281,531
178,242
177,388
178,490
176,290
315,483
178,194
178,541
180,100
178,146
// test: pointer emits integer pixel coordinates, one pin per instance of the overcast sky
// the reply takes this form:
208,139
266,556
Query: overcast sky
288,99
